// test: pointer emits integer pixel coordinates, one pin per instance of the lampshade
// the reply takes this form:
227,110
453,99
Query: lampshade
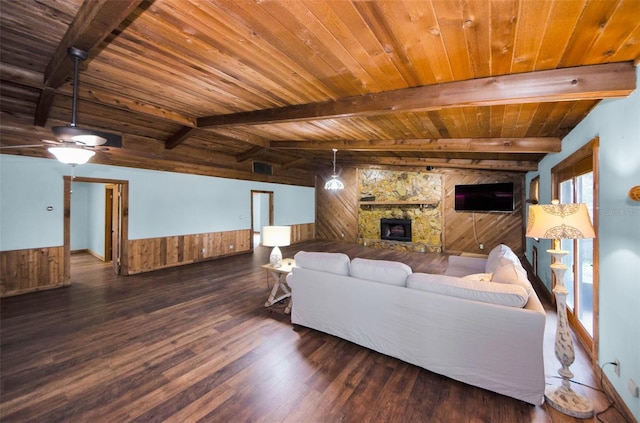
276,236
71,155
559,221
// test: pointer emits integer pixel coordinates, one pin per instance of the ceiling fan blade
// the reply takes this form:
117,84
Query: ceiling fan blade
6,147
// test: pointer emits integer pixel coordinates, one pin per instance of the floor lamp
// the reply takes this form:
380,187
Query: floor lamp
562,221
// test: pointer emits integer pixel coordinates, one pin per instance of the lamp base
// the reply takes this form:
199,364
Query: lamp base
275,259
568,402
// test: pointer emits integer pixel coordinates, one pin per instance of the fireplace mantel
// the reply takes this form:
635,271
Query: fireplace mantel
398,203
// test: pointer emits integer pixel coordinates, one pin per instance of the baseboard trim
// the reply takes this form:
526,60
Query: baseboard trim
611,392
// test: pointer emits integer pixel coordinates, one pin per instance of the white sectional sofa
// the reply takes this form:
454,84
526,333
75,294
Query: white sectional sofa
485,329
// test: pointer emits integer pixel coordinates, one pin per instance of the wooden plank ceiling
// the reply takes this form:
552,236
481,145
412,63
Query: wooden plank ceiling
208,87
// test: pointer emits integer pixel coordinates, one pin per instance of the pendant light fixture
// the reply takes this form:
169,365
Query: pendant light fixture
334,183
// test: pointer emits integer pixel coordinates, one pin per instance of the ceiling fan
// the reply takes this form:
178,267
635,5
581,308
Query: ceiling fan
71,132
71,137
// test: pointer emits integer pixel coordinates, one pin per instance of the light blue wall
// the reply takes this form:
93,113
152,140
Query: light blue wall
88,217
79,216
160,203
95,218
27,187
260,211
617,123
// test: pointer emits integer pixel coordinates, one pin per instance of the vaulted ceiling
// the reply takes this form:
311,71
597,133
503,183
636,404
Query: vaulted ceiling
208,87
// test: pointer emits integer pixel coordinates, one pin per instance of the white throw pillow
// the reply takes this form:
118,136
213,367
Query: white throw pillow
337,263
510,273
389,272
482,277
487,292
498,256
494,257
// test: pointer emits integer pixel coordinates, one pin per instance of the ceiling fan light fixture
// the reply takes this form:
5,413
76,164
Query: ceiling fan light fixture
71,155
334,183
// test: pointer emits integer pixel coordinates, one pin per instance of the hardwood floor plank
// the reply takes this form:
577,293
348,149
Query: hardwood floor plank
195,343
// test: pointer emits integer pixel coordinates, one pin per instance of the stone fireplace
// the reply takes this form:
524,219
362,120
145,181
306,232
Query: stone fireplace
400,210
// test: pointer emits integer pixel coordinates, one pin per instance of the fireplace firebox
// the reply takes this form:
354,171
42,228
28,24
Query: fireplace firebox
395,229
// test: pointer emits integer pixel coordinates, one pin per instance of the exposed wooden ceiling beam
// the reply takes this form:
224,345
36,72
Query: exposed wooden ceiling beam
175,139
484,145
249,154
294,163
91,94
577,83
45,101
185,132
93,23
404,162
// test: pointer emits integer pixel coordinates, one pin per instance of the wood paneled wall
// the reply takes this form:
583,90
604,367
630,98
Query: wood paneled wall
336,211
303,232
23,271
29,270
491,228
158,253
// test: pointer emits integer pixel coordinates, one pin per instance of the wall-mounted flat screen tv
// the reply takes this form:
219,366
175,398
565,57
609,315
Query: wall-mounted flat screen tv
484,197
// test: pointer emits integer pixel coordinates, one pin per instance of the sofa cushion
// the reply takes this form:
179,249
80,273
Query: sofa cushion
390,272
337,263
495,293
482,277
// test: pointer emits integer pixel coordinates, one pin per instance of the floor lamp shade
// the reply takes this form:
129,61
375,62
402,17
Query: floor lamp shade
276,236
559,221
562,221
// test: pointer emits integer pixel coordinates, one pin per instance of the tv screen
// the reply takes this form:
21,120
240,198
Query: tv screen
484,197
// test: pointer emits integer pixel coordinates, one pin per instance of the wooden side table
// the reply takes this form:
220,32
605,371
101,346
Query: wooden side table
279,275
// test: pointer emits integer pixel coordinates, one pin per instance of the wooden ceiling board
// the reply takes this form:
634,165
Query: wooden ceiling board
208,87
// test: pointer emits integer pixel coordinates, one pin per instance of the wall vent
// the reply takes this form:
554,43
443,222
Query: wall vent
262,168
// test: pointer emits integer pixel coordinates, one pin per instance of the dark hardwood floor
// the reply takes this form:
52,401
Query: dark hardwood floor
196,344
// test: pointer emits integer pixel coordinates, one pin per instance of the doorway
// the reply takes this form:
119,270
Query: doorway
115,225
261,214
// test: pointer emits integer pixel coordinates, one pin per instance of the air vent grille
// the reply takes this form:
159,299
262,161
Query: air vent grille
262,168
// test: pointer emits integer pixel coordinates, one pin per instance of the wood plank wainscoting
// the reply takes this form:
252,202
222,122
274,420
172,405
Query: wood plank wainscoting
158,253
29,270
150,254
32,269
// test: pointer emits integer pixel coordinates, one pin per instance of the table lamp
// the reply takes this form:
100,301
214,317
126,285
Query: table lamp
562,221
276,236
